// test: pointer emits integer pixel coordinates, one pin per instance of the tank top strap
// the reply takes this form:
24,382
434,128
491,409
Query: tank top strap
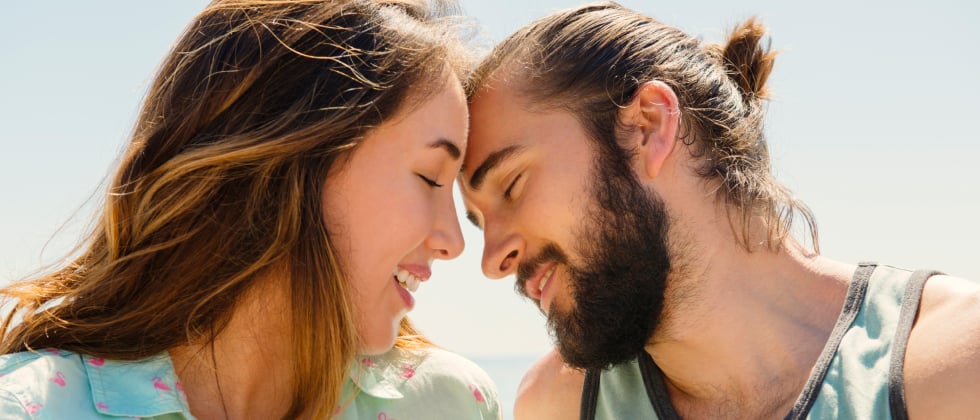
859,375
852,305
910,309
653,381
590,394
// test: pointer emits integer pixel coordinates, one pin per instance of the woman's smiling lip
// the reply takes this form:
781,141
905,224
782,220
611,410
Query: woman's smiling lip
407,278
420,271
406,296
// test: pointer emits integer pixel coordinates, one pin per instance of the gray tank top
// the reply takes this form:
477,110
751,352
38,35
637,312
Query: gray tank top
858,373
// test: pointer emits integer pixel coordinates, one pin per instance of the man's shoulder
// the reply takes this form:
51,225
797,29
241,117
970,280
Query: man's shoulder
943,357
549,389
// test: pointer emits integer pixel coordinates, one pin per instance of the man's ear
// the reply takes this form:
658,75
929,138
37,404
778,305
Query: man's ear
653,119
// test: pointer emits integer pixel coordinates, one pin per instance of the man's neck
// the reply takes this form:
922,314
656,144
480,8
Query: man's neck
742,333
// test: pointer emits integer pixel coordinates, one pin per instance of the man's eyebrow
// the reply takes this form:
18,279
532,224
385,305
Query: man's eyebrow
449,146
492,161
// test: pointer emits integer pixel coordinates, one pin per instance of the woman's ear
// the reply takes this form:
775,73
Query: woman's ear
653,117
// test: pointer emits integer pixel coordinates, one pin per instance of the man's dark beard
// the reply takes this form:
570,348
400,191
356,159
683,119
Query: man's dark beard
619,288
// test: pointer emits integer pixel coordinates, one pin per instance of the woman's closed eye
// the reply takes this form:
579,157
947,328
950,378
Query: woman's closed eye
430,182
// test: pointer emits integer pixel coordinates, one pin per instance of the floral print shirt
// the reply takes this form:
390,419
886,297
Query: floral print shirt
427,383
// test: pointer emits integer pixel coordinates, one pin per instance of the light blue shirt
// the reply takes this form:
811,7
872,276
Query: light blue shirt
54,384
428,383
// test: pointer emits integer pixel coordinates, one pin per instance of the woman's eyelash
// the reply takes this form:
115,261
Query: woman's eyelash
431,183
511,186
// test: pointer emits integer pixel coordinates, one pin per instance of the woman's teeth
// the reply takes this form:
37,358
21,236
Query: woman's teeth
406,279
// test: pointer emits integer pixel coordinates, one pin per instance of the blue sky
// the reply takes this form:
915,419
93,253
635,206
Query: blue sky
873,124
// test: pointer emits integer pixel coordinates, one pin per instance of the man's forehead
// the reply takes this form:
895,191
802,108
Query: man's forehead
490,121
489,99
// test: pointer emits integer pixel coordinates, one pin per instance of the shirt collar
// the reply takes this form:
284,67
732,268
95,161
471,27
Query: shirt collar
384,376
140,388
149,387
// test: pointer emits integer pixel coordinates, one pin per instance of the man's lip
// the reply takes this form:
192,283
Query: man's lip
532,287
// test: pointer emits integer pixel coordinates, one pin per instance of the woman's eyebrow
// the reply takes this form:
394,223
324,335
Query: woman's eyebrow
448,146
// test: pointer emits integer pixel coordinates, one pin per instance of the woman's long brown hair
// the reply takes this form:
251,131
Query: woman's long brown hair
221,184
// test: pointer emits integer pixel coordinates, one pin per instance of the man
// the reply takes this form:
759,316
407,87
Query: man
618,168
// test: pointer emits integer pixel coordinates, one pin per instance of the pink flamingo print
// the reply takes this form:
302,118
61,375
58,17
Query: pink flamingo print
476,393
383,416
59,378
158,384
180,387
367,362
101,406
52,350
407,371
33,408
96,361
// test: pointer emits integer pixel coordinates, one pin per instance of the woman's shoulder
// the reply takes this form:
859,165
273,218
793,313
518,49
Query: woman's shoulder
429,380
61,384
41,369
42,381
446,373
431,366
444,363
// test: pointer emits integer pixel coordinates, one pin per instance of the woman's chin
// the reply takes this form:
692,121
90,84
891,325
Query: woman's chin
378,342
375,350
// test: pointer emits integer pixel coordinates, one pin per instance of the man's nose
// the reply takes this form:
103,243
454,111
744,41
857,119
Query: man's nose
501,252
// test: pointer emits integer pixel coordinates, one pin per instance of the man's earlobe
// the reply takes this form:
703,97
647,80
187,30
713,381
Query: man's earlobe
654,116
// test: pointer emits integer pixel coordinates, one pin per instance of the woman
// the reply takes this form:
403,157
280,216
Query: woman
286,187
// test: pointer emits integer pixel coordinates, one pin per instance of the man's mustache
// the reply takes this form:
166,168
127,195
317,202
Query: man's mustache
527,268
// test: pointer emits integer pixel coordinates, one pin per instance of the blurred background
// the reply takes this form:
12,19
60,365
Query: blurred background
872,123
